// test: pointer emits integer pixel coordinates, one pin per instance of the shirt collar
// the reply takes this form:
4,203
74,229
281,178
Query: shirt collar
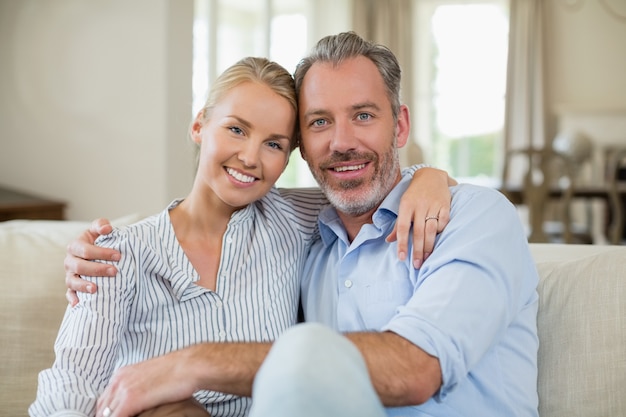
331,227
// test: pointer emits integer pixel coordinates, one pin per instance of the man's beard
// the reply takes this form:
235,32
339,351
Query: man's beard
358,196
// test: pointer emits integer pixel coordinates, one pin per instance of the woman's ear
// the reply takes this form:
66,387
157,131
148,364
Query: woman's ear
196,128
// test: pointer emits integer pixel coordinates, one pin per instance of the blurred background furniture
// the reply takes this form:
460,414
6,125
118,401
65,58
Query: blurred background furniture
19,205
616,174
560,198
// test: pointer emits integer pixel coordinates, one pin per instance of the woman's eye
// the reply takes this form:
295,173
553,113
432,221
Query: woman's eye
275,145
236,130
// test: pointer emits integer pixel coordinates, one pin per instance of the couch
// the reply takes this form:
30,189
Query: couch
582,318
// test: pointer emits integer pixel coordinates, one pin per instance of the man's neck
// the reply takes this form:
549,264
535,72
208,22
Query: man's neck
353,223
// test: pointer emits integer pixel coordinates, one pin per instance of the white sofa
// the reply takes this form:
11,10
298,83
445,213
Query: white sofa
582,319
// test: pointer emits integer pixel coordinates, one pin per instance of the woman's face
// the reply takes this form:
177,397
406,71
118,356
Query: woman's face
244,143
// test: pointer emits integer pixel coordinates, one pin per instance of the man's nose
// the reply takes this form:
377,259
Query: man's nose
343,137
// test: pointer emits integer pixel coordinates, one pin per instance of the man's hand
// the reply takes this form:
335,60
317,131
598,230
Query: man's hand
426,207
78,259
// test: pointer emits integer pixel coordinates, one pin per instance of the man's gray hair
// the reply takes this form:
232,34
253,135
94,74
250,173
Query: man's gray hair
345,45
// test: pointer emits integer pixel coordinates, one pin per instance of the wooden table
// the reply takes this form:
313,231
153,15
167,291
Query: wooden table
616,209
19,205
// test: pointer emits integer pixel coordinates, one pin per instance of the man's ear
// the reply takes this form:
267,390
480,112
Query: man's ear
403,126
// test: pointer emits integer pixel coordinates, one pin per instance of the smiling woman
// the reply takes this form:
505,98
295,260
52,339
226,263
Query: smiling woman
283,30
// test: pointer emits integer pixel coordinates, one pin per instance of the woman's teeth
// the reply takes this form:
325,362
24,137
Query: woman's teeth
239,176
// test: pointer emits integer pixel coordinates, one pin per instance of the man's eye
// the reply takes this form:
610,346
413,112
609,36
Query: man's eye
318,122
364,116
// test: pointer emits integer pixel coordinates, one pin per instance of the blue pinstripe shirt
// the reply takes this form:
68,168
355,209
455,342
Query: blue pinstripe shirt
153,306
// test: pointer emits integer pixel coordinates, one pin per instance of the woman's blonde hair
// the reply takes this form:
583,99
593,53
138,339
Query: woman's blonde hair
259,70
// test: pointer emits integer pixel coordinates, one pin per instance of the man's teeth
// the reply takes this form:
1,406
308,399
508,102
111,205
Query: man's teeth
349,168
239,176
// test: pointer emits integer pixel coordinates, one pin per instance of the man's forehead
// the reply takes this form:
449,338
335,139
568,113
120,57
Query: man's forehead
352,85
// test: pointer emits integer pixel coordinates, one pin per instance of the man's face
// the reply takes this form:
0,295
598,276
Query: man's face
349,136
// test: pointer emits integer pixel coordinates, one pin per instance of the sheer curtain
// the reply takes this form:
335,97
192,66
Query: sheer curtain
389,23
524,125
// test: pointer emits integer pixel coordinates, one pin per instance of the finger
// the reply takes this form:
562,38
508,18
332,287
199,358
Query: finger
78,266
402,227
85,249
444,218
393,236
425,241
430,233
71,297
75,283
101,226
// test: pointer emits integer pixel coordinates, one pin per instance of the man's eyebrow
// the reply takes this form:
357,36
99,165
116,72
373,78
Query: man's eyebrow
366,105
355,107
315,113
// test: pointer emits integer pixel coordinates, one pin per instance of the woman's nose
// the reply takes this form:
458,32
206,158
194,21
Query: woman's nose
249,154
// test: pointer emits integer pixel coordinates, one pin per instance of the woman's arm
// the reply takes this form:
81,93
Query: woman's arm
86,347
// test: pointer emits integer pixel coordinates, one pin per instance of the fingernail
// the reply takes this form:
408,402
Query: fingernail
111,271
417,263
90,289
402,256
115,257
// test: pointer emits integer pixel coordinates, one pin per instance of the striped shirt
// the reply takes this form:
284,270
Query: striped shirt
153,306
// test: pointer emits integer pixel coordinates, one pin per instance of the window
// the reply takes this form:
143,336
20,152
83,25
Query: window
228,30
461,57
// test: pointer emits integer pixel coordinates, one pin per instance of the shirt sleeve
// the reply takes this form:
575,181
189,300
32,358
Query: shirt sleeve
304,205
87,343
411,170
479,276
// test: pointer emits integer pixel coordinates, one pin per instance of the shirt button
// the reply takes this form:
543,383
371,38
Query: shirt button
218,304
347,283
229,240
222,334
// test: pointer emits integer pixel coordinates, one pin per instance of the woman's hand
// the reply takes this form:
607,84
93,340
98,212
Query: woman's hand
425,206
78,259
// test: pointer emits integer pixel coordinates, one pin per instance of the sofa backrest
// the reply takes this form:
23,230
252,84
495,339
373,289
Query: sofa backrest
582,330
582,319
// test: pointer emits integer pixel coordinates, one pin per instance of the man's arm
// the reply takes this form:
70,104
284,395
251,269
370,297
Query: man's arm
401,373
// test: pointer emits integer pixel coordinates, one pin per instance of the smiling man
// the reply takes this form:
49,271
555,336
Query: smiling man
458,336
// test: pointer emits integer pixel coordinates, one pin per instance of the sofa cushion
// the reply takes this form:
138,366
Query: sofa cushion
32,303
582,331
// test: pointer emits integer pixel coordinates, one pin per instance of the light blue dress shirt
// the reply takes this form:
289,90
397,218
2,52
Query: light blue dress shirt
473,303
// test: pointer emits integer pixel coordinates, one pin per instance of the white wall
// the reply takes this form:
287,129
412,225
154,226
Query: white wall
95,96
95,101
585,57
